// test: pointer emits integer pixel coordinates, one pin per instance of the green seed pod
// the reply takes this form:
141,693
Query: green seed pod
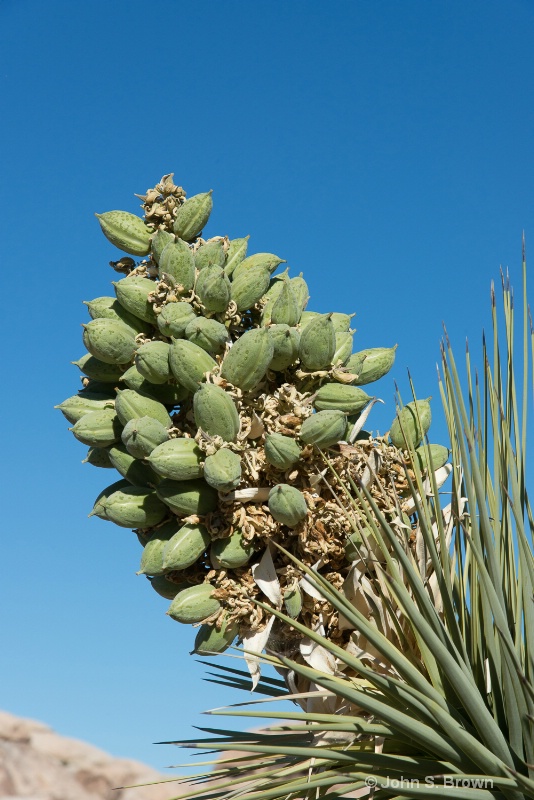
177,459
126,231
293,602
98,428
152,361
166,588
189,363
178,261
371,365
98,457
216,412
324,428
142,435
208,334
439,455
213,289
132,405
76,407
231,553
98,506
270,297
188,497
306,317
135,471
210,641
222,470
301,291
411,424
133,507
237,251
152,557
281,451
286,308
193,215
110,308
210,254
341,322
174,319
160,240
109,340
99,370
170,394
350,399
343,348
133,294
248,359
317,343
266,261
287,505
249,287
286,342
194,604
186,546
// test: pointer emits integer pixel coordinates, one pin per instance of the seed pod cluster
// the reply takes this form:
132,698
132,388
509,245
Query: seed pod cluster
214,392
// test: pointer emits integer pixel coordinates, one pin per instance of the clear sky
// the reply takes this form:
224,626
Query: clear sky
384,148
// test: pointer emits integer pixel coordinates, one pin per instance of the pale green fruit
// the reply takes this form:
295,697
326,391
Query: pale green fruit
324,429
133,507
287,505
133,294
152,361
188,543
109,340
411,424
98,428
177,459
126,231
141,435
193,215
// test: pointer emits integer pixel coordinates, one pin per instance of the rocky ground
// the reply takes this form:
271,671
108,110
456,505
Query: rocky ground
38,764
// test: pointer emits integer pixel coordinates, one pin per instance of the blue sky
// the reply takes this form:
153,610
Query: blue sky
383,148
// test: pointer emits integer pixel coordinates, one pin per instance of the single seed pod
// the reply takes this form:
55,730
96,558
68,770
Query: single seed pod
210,254
109,340
174,319
287,505
248,287
194,604
133,507
186,546
76,407
317,343
211,641
306,317
160,240
281,451
439,455
152,557
271,295
210,335
126,231
285,345
98,507
324,429
341,322
177,260
177,459
192,216
132,405
213,289
343,348
222,470
293,602
98,457
248,359
110,308
98,428
133,294
188,497
215,412
237,251
372,364
350,399
301,291
411,424
135,471
231,553
152,361
286,308
266,261
166,588
170,394
189,363
142,435
98,370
